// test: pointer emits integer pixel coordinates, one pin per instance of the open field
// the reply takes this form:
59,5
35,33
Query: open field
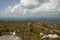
29,30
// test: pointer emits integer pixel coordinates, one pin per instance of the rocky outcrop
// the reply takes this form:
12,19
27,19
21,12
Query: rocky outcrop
10,37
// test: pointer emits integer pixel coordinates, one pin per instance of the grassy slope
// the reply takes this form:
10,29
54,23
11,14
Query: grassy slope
29,29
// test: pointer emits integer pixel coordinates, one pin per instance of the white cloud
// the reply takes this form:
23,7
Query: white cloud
29,2
33,6
21,7
50,6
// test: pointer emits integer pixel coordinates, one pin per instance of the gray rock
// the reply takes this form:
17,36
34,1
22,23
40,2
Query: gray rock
10,37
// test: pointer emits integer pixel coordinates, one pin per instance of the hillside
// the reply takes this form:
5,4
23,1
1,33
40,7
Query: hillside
30,30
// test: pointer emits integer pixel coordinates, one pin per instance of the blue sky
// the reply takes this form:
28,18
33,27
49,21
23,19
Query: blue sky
29,8
5,3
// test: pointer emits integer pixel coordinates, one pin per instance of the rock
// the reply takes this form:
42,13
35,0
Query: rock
50,37
41,34
10,37
53,36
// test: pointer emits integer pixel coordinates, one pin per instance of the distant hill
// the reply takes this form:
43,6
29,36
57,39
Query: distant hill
31,19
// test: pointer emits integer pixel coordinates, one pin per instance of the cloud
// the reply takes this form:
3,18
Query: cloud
33,6
52,5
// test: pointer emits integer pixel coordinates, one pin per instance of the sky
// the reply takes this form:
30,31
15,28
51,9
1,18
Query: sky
29,8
